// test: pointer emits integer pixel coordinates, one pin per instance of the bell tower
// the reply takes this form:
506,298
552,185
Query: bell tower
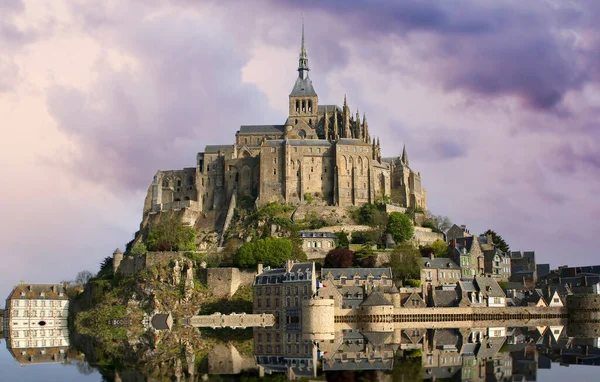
304,102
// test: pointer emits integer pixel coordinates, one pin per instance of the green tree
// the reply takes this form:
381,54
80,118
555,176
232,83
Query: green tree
365,257
366,237
139,249
342,239
268,251
440,248
498,241
170,234
400,226
405,261
298,253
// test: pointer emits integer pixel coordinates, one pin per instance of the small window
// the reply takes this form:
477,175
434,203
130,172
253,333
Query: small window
273,149
274,171
295,149
274,160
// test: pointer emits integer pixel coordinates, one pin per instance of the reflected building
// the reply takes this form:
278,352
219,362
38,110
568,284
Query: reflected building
35,323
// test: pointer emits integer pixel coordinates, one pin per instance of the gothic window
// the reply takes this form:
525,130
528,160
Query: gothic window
297,106
303,105
296,122
309,105
310,122
178,182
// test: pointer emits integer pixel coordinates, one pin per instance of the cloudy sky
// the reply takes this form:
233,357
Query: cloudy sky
497,102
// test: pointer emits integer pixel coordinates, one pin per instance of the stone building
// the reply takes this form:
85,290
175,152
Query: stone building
438,271
467,253
281,292
497,264
322,151
316,244
36,317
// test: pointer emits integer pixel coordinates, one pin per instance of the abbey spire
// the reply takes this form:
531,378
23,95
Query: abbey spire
303,60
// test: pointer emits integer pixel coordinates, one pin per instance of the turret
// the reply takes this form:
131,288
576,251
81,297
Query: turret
336,135
357,129
326,124
347,133
366,135
404,156
117,258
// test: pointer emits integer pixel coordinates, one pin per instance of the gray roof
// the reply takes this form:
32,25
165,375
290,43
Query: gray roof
439,263
488,286
274,142
468,286
308,234
162,321
250,129
309,142
377,338
376,299
447,337
363,273
352,141
445,298
213,149
330,108
303,87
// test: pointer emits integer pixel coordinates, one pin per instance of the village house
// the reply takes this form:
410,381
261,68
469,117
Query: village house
317,244
523,267
280,292
467,253
36,318
436,271
497,264
456,232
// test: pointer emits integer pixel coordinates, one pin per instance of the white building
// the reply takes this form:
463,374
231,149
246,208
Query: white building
36,318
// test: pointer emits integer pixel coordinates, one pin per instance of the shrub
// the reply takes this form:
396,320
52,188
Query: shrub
308,198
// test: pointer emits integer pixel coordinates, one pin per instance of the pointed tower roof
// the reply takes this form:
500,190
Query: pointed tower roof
404,156
303,85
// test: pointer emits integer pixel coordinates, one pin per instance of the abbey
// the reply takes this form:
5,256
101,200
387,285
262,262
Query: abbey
323,152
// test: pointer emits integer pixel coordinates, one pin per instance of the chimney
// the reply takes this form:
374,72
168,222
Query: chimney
288,265
431,256
260,269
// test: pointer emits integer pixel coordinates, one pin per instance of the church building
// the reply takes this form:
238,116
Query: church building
323,152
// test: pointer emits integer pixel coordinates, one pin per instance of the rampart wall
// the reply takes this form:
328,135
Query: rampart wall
425,236
234,320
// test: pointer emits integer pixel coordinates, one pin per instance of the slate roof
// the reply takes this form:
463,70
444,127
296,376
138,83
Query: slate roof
352,141
363,273
303,87
445,337
489,287
377,338
465,242
330,108
468,286
253,129
273,142
376,299
213,149
439,263
445,298
533,297
162,321
309,142
308,234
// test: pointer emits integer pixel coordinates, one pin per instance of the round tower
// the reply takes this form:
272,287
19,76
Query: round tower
318,319
117,258
396,300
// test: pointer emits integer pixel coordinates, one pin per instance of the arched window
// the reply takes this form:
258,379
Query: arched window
303,105
309,105
297,106
178,182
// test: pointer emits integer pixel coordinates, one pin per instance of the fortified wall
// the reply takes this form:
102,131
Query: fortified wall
221,282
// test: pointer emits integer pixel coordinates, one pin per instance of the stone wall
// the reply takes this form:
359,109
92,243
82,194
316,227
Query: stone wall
243,320
224,282
425,236
389,208
225,359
